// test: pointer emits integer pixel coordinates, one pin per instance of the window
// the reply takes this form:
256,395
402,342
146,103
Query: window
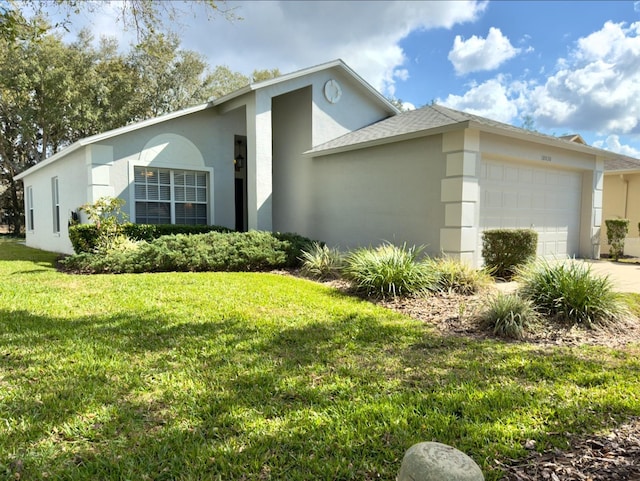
55,196
29,196
166,196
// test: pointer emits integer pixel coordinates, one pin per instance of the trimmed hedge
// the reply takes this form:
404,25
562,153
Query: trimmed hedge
617,230
213,251
504,250
84,237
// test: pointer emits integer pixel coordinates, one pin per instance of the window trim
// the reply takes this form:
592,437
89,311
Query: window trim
172,167
29,211
55,203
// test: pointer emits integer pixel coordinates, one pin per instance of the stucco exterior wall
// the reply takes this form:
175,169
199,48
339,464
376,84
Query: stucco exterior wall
387,193
212,137
621,201
72,179
291,114
353,111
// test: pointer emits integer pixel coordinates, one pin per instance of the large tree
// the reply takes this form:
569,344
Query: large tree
144,16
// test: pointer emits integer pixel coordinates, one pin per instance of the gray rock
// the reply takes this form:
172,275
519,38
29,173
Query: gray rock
438,462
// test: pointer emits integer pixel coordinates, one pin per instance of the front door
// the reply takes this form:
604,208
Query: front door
240,168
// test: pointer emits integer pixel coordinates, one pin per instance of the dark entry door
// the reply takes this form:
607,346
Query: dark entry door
240,168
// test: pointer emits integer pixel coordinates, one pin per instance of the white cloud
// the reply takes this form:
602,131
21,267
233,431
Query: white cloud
296,34
477,53
597,87
612,143
492,99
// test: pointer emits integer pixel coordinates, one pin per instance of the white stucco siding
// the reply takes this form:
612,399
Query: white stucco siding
353,111
291,172
72,179
386,193
203,142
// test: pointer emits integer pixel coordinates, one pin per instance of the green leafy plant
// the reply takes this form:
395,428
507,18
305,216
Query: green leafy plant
458,276
504,250
508,315
617,230
321,262
390,270
568,291
106,214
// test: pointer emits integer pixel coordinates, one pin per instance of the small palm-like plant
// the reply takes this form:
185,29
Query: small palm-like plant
390,270
570,292
321,262
508,315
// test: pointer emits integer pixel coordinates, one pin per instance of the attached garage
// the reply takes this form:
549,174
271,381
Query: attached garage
547,200
491,175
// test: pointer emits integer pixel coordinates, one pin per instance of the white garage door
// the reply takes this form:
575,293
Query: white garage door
522,196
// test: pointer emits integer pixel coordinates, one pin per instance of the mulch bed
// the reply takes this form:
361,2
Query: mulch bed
615,456
610,457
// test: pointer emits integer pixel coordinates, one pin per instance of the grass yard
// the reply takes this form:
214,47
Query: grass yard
230,376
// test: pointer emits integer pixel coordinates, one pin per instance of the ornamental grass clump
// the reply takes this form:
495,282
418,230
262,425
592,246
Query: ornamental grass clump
321,262
570,292
390,271
508,315
457,276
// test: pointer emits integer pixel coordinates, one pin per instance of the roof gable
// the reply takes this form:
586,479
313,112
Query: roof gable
376,97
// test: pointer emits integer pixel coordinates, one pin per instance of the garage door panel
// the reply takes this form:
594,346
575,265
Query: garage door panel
515,196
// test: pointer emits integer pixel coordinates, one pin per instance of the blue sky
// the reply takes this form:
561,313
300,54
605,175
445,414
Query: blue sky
572,67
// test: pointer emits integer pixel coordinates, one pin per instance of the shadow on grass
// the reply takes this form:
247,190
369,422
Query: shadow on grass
128,396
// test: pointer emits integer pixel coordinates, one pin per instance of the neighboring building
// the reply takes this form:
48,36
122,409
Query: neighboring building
622,199
321,153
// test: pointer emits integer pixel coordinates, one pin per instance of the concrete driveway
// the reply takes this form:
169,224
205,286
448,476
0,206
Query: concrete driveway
625,277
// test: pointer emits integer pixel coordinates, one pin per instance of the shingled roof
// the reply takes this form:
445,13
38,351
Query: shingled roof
433,119
622,163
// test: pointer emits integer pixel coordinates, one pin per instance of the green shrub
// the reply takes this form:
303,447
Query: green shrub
508,315
504,250
456,276
389,270
83,237
214,251
570,292
617,230
148,232
321,262
295,244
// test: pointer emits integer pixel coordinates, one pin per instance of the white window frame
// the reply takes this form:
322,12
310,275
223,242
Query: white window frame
55,202
172,168
29,211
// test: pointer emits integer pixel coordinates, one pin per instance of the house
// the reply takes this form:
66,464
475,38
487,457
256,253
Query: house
622,200
321,153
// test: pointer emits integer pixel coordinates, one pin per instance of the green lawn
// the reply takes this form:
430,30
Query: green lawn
229,376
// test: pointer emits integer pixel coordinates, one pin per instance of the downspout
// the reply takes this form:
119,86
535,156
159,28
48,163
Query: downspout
626,194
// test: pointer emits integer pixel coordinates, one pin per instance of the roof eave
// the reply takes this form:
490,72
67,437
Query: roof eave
544,139
113,133
386,140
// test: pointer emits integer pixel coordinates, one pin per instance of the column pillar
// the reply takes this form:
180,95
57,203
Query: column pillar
460,195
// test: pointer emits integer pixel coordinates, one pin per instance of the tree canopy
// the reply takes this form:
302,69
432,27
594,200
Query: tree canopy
144,16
